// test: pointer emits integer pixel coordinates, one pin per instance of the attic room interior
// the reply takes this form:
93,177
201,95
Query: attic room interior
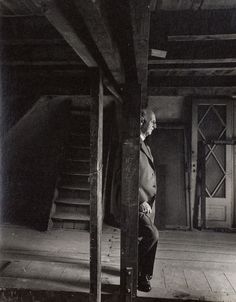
74,78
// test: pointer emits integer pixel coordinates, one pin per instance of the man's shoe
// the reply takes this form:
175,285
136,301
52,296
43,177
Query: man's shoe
144,284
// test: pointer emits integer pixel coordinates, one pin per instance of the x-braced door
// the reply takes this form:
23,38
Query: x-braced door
212,124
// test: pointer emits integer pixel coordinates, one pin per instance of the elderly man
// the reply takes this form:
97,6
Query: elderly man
148,233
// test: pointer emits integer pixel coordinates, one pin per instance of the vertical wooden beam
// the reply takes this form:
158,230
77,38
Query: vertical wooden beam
202,175
187,180
140,12
129,190
193,160
234,161
96,136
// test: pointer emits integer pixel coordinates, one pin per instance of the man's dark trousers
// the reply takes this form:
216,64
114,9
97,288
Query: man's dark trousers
147,244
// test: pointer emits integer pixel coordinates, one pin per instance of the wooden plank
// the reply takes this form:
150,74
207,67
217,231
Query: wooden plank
96,141
73,29
202,37
195,5
203,183
192,61
234,156
15,7
189,81
158,276
197,265
194,158
31,42
196,256
117,11
43,63
231,277
191,71
188,91
129,185
140,12
218,282
187,178
196,280
63,26
95,18
175,279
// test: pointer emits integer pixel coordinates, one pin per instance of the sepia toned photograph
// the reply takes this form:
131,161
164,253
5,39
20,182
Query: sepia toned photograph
117,150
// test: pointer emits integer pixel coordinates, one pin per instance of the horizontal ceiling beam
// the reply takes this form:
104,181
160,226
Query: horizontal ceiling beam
201,49
192,91
195,4
213,71
192,61
202,37
42,63
31,42
188,81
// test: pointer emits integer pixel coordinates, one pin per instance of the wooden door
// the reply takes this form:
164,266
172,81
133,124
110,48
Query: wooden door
168,148
212,124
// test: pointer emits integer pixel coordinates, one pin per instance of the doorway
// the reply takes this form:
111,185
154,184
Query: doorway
169,152
212,125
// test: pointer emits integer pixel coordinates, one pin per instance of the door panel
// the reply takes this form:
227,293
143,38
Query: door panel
169,155
214,126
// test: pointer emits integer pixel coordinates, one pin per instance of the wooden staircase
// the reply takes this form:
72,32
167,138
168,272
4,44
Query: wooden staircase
71,208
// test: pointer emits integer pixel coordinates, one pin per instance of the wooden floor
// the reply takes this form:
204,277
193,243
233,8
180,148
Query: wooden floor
196,266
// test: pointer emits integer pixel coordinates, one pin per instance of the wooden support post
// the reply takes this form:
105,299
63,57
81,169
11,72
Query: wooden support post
96,134
202,168
129,189
194,157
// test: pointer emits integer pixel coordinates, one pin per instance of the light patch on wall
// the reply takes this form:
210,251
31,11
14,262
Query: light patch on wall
167,108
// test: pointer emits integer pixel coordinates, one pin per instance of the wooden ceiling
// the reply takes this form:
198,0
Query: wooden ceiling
199,37
200,40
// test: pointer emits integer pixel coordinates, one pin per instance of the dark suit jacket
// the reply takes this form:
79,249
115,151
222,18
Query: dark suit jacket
147,175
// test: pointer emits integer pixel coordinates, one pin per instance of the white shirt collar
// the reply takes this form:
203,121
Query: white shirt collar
142,136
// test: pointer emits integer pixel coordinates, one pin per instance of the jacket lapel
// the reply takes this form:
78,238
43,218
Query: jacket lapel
147,152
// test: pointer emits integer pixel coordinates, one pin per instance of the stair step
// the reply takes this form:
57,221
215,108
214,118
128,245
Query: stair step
81,102
78,152
79,140
70,216
76,188
77,166
75,180
78,112
66,192
71,221
75,173
81,209
80,123
73,201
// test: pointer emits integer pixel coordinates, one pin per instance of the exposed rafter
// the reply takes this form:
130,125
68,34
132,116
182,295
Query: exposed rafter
64,16
56,17
94,16
20,7
188,91
192,61
202,37
213,71
195,4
